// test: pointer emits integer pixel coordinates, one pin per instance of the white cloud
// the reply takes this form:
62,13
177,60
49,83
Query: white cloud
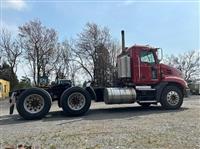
14,4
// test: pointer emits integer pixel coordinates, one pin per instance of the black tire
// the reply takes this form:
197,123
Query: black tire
144,105
22,109
65,99
172,98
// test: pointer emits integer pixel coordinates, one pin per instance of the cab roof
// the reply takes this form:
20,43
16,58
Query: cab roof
142,46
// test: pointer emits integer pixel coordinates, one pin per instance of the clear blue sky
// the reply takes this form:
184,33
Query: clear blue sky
172,25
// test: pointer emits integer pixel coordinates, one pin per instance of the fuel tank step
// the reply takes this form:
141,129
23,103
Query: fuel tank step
146,94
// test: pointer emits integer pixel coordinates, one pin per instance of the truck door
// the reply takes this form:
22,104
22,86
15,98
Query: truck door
149,68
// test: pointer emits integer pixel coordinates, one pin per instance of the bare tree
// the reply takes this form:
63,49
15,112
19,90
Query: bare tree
39,44
114,51
9,54
62,58
65,64
10,50
86,65
94,47
73,69
188,63
1,55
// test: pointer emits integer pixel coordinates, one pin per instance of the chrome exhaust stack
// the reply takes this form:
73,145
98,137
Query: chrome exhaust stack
123,41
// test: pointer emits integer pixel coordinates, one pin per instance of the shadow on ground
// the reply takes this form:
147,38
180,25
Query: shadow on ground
93,114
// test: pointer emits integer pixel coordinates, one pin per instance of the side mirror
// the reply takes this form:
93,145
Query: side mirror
160,54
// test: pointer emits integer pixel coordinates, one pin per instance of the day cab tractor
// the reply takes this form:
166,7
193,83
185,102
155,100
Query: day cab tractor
141,79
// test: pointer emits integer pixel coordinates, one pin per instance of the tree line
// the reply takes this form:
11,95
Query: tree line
93,53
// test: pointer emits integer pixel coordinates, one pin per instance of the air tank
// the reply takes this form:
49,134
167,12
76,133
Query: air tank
119,95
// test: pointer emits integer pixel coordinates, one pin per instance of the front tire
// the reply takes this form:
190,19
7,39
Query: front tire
172,98
33,103
75,101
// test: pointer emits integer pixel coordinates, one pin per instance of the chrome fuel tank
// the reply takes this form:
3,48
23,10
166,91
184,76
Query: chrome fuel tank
119,95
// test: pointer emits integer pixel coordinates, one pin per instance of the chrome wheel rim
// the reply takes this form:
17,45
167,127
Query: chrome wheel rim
34,103
173,98
76,101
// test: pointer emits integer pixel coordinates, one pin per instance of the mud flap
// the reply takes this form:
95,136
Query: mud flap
12,103
12,109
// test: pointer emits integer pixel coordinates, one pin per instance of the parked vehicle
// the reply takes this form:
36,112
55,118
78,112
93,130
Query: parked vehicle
195,88
141,78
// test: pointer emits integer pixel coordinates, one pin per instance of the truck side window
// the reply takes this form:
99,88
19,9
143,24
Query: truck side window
147,57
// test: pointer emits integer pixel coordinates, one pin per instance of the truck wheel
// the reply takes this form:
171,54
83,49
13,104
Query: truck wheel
33,103
75,101
145,105
172,98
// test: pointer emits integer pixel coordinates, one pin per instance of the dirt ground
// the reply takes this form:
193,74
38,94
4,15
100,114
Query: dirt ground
106,126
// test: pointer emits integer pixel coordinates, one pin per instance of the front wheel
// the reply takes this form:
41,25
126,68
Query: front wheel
75,101
172,98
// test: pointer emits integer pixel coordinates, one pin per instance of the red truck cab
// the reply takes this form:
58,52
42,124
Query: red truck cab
139,65
146,69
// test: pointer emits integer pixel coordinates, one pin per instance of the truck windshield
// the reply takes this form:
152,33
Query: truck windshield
147,57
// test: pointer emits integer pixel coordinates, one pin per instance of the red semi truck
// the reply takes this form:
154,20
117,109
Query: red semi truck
141,78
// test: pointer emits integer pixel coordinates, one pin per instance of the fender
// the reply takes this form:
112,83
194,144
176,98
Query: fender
174,79
92,93
159,89
170,80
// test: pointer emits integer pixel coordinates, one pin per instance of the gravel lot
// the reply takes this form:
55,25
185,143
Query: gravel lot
113,126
